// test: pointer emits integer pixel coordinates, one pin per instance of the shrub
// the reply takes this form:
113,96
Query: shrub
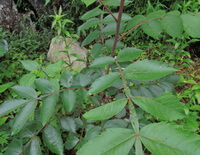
118,105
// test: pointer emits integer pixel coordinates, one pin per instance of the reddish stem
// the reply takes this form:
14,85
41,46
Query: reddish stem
105,6
123,35
118,27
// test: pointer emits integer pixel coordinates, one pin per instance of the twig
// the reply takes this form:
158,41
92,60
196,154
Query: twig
123,35
39,132
105,6
133,114
117,32
118,27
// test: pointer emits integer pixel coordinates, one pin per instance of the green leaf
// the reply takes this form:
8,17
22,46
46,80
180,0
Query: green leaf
85,79
102,61
109,44
11,105
71,142
14,148
30,65
115,141
53,140
3,121
152,28
3,47
96,50
25,92
91,13
45,86
4,87
156,14
115,3
106,111
147,70
88,2
104,82
31,128
166,107
195,107
68,124
48,108
173,25
109,29
138,146
66,79
53,68
34,148
23,116
115,123
138,19
91,37
27,80
109,19
47,2
92,132
128,54
191,25
90,23
69,100
165,139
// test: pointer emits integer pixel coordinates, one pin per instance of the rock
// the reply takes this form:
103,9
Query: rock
59,45
38,6
9,16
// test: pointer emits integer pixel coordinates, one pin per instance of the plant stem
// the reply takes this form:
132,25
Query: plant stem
105,6
133,114
117,32
118,27
123,35
39,132
101,28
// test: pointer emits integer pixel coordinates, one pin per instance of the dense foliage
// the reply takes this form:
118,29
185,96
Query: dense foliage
122,103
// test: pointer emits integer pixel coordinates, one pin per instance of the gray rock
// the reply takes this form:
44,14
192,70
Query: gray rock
59,45
9,16
39,6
